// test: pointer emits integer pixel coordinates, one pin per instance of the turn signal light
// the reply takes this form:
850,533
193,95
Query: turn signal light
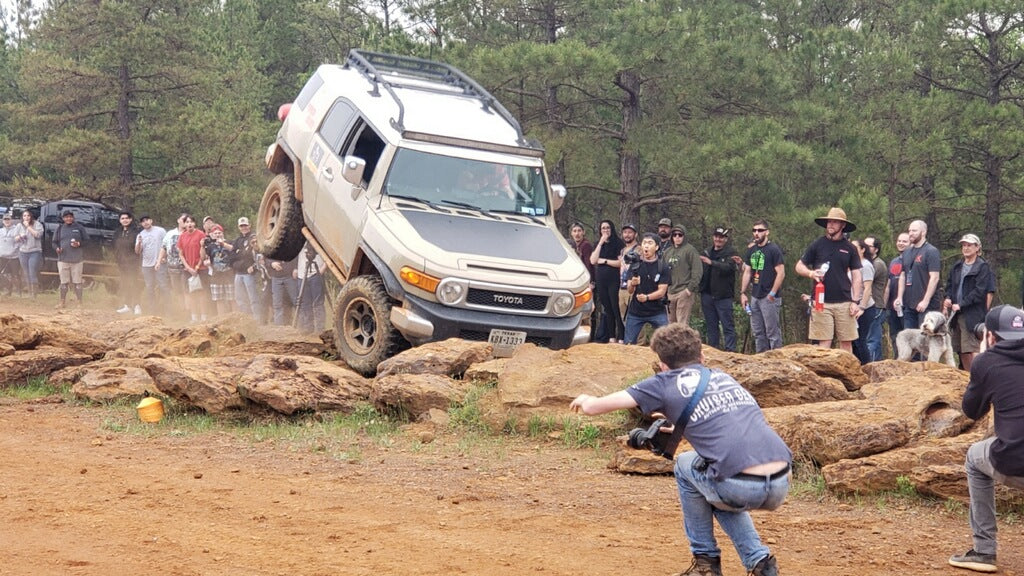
419,279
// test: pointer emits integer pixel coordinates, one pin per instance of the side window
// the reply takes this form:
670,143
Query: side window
336,124
308,91
366,144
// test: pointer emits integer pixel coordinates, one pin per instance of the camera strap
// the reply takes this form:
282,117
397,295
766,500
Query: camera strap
705,376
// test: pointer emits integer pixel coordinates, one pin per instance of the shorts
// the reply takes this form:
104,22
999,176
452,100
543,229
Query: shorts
834,320
70,272
219,292
964,340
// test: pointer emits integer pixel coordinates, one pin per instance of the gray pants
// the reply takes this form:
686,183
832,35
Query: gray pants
981,483
764,323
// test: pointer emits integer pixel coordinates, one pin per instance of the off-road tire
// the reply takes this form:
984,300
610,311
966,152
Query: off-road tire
279,221
362,325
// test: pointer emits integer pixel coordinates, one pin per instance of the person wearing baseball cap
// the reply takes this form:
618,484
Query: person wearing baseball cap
10,266
835,263
969,290
664,234
997,377
718,290
244,261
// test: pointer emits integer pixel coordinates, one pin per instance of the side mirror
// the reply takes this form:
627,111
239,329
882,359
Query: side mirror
352,172
559,194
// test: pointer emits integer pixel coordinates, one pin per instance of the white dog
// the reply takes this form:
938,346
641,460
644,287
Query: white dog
931,341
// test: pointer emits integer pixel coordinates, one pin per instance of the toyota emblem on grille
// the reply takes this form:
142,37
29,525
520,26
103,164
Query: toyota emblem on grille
508,299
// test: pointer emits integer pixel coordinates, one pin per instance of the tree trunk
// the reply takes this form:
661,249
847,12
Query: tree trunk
126,171
629,160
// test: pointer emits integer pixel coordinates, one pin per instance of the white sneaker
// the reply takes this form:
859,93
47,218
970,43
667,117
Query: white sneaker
138,309
124,309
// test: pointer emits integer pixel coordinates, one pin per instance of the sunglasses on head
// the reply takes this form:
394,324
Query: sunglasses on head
759,230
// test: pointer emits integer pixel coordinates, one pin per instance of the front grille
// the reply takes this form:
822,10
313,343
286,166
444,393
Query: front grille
478,336
512,301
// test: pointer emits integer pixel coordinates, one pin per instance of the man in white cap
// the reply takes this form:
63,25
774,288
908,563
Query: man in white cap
968,290
997,376
243,262
835,262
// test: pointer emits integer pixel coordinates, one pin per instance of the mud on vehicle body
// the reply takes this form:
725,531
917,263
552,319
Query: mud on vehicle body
428,204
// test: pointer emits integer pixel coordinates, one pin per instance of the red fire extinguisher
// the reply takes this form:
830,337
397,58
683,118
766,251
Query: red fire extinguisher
819,289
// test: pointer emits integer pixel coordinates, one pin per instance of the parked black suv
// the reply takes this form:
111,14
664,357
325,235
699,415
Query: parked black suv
100,222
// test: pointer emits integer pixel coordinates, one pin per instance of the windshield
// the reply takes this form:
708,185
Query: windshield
487,186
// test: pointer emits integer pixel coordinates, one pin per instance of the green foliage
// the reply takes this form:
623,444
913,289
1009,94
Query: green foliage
34,387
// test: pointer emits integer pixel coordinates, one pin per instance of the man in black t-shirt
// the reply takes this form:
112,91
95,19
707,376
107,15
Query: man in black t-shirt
841,278
647,286
763,271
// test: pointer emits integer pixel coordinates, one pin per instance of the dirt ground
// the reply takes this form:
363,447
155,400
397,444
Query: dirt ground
81,495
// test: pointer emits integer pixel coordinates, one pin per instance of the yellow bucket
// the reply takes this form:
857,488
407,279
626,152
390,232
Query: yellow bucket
150,409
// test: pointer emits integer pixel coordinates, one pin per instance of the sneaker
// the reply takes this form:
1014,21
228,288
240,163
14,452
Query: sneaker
971,560
766,567
124,309
703,566
138,309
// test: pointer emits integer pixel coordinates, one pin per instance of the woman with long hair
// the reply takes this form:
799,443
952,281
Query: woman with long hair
29,238
605,259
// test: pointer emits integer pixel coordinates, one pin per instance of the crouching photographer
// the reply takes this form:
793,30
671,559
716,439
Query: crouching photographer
738,464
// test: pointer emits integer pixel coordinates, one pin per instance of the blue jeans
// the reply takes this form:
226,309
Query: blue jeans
30,263
868,346
895,326
981,484
912,318
247,296
764,323
312,316
283,292
703,499
157,286
719,311
635,323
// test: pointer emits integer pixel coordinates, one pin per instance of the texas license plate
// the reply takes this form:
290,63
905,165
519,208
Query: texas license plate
505,342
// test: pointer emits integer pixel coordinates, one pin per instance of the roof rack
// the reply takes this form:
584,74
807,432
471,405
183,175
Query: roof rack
373,65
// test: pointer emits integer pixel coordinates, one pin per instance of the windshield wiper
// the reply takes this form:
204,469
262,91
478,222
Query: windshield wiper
483,211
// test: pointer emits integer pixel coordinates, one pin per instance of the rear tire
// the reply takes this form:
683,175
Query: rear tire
362,325
279,221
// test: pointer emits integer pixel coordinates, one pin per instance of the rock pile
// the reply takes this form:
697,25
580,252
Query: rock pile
865,427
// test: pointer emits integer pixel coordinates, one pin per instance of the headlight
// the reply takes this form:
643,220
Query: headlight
562,303
450,292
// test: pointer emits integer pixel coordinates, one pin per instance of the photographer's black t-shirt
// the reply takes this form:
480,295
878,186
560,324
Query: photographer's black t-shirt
651,275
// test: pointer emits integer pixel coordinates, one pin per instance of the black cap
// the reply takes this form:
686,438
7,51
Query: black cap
721,231
630,226
1006,321
66,213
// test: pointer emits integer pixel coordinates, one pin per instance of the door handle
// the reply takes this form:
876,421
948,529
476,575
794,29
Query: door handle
328,175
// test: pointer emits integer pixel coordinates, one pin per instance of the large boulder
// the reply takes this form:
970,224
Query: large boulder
19,333
827,432
207,383
450,357
200,340
829,362
776,381
888,369
107,380
929,399
293,384
278,340
17,368
417,394
537,382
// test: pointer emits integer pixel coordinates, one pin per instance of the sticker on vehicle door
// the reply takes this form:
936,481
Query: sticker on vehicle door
316,154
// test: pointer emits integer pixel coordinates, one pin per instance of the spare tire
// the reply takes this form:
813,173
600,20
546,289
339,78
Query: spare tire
279,221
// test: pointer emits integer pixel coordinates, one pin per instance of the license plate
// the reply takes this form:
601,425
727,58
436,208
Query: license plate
505,342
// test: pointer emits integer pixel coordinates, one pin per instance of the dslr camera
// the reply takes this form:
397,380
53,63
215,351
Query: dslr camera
652,438
632,261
